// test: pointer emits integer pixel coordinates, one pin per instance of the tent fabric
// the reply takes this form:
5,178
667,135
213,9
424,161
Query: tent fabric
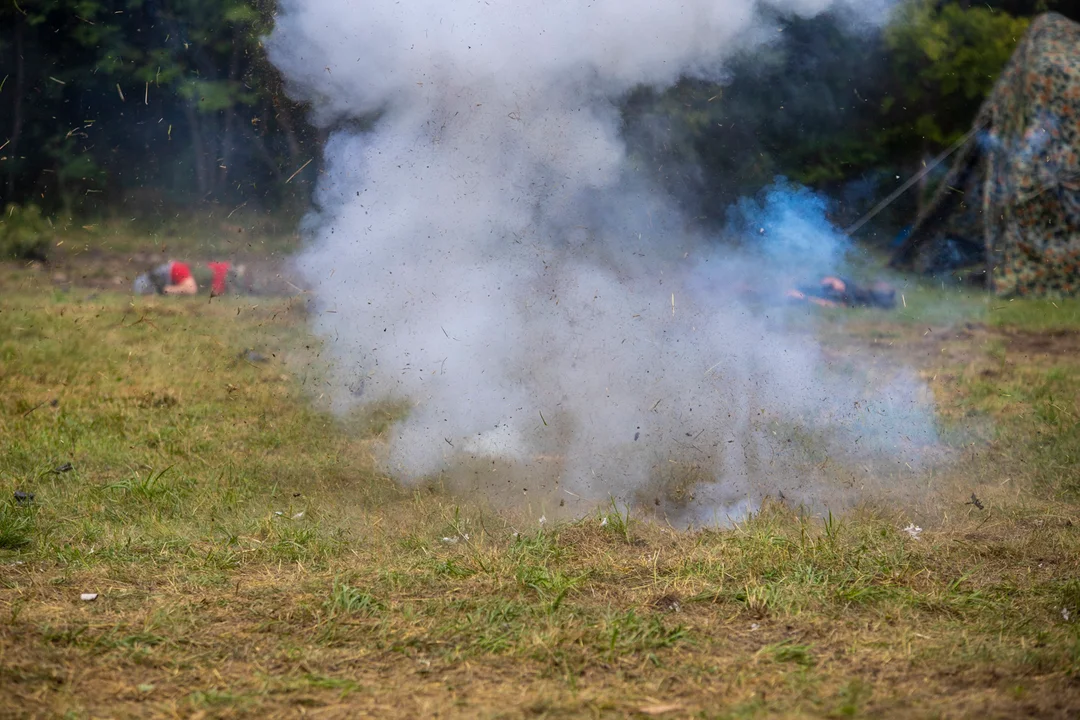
1011,201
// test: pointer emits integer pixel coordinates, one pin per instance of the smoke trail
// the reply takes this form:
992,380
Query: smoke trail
486,254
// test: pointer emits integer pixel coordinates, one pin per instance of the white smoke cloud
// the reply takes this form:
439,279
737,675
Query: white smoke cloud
485,253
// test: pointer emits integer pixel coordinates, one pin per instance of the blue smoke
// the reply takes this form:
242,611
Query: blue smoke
788,224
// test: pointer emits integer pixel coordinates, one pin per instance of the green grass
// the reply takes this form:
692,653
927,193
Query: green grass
16,525
347,600
250,559
1037,315
218,231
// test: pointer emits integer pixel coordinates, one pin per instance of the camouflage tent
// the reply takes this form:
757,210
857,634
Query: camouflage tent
1010,204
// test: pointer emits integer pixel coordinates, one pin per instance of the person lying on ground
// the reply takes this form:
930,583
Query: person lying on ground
178,278
172,278
840,292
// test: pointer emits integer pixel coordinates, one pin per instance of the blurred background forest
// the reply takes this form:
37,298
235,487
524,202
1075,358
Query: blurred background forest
145,110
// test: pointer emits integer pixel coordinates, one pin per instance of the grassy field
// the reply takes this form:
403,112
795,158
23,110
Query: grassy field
218,232
249,560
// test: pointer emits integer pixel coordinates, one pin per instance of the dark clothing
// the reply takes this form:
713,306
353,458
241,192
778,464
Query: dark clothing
842,291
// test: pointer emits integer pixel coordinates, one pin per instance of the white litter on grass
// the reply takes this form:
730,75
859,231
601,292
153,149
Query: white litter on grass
543,519
913,530
463,536
754,626
449,540
298,515
603,522
88,596
1066,614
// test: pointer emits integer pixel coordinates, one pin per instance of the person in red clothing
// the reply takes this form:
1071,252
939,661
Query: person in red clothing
171,278
178,278
220,273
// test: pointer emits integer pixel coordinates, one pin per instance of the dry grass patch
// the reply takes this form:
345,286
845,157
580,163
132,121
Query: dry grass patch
249,559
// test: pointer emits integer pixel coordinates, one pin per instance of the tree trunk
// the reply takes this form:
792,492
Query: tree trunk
198,150
263,152
16,112
283,116
227,139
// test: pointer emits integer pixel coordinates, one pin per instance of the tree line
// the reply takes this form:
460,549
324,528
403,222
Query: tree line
109,104
167,100
834,106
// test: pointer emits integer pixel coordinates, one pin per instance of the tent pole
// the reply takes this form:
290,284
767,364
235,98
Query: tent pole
988,224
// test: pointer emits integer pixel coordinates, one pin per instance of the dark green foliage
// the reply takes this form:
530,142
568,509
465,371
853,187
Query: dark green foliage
146,104
831,103
24,233
146,107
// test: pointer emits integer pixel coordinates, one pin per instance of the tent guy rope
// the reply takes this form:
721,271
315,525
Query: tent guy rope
915,178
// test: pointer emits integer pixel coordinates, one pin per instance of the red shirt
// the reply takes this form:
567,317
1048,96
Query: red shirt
220,271
178,273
